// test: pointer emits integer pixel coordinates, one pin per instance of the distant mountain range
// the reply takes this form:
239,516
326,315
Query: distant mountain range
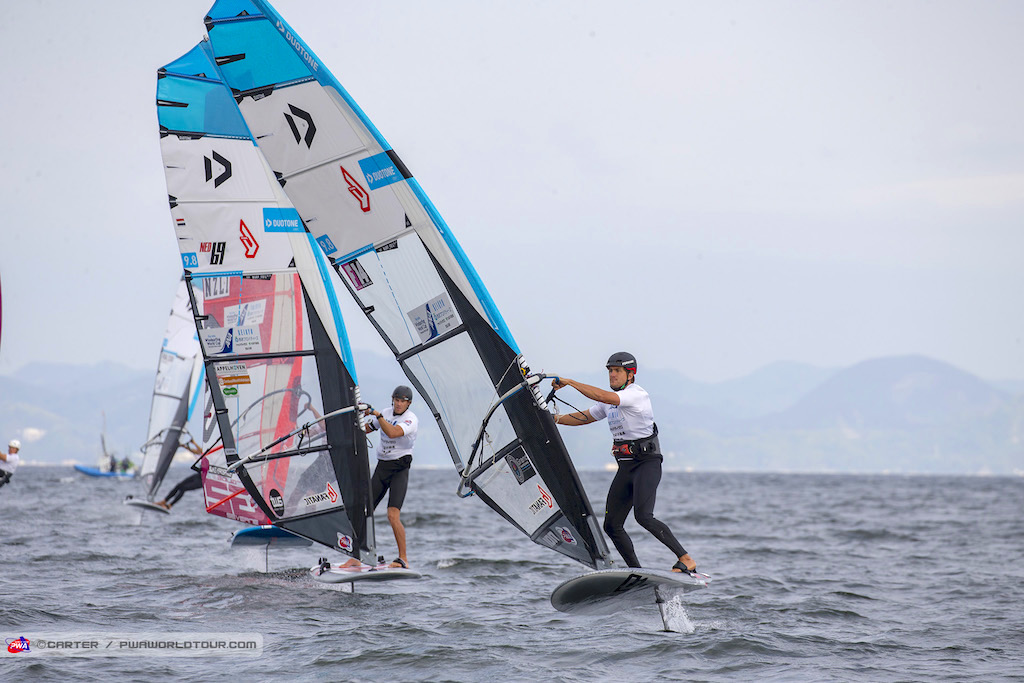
895,414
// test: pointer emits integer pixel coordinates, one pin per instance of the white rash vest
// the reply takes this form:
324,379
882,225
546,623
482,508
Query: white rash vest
11,464
632,419
393,449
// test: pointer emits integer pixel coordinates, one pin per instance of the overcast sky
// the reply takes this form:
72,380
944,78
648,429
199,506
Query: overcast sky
712,186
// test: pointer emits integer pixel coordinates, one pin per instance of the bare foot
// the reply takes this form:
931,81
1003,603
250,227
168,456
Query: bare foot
399,563
350,563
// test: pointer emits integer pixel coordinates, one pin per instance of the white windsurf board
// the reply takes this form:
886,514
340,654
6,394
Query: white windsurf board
381,572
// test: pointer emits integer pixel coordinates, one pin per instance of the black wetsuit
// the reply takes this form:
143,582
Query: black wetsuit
190,483
393,476
636,486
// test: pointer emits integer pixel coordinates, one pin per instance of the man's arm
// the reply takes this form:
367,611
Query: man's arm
393,431
582,417
593,393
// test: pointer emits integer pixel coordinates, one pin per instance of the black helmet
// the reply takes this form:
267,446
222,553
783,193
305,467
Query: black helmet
623,360
402,391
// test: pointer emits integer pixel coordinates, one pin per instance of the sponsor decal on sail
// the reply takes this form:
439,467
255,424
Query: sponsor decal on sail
248,240
297,46
250,313
281,220
216,340
545,501
276,501
231,374
216,287
356,274
310,126
326,244
379,171
224,164
433,318
215,250
344,542
520,465
327,495
356,190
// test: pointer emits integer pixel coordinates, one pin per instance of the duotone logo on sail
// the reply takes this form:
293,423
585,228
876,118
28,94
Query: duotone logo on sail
225,170
379,171
297,46
281,220
297,113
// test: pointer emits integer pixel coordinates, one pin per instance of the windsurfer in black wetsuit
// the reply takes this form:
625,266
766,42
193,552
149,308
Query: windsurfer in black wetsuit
190,483
637,453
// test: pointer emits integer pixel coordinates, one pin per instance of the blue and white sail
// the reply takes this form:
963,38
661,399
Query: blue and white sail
176,391
407,272
280,372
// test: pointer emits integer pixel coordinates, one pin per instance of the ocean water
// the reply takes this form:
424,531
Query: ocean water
814,578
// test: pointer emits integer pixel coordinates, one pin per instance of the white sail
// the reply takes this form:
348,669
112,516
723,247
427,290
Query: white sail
283,389
178,374
403,266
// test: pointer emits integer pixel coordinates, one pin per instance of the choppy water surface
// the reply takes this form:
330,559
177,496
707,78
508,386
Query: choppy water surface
814,578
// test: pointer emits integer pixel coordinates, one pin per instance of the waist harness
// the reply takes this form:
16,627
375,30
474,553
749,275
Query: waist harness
637,448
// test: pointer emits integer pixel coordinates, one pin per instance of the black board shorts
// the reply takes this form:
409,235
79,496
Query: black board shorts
391,476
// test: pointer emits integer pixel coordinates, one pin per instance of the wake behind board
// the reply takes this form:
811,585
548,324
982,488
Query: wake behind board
333,573
268,535
144,504
610,590
97,472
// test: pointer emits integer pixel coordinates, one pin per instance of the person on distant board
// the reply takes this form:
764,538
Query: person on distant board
637,453
398,426
190,483
9,461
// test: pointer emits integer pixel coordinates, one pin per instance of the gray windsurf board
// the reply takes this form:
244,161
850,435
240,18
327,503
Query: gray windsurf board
609,590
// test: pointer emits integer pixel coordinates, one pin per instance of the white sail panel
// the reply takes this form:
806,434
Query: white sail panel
172,393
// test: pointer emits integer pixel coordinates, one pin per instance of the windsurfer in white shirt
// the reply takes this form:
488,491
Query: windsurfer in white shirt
637,453
9,461
398,426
